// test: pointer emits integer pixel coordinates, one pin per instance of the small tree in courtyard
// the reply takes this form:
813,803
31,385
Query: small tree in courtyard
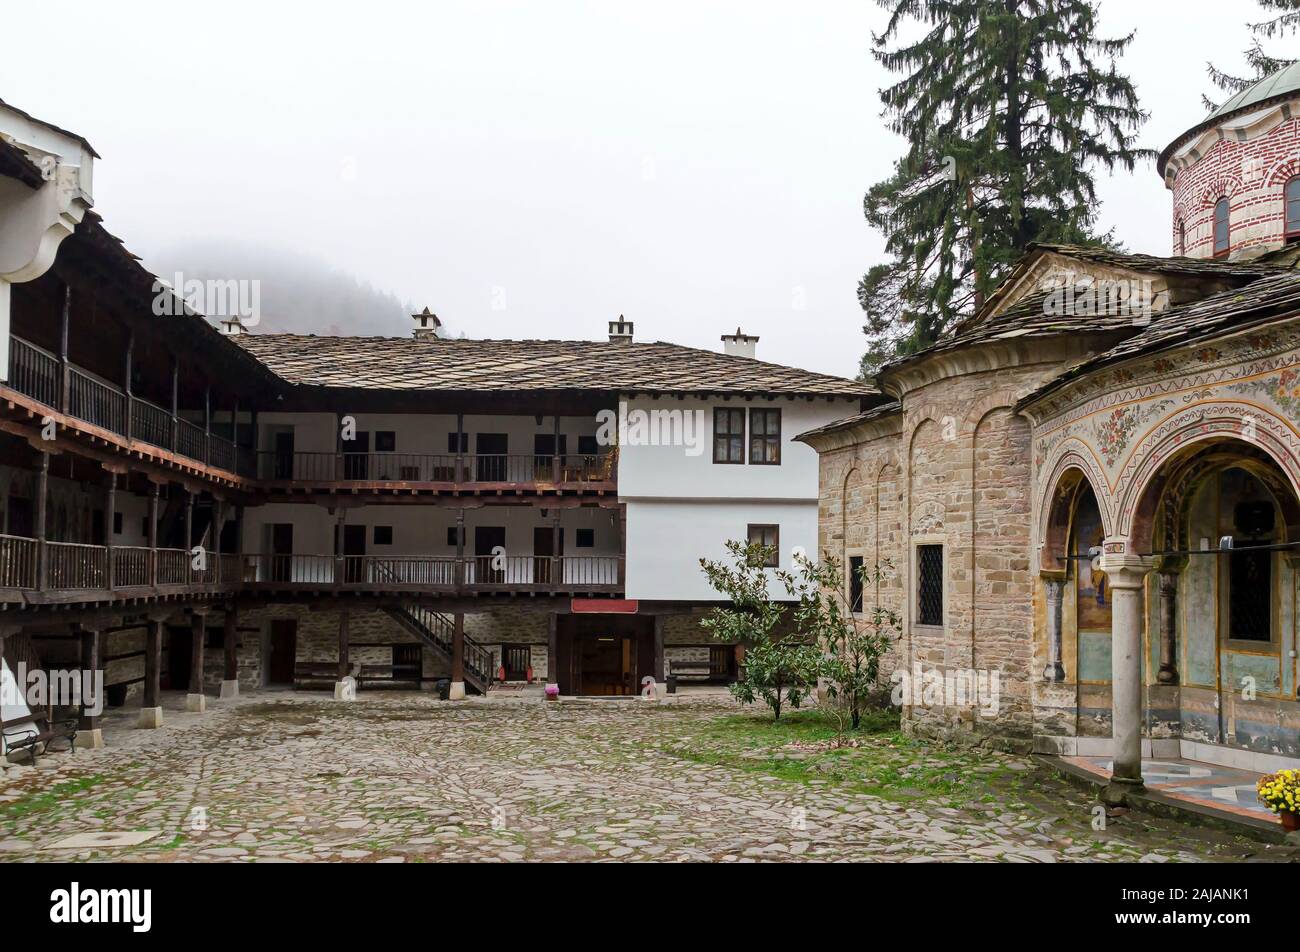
851,643
779,663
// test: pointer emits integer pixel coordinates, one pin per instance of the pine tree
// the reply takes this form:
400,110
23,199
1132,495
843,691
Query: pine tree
1007,106
1259,62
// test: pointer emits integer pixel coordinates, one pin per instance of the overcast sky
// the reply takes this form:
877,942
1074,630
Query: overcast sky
536,169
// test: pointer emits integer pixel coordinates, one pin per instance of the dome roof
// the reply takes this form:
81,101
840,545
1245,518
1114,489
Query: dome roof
1286,80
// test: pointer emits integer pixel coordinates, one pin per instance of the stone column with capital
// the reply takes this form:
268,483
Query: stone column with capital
1126,574
1055,670
1168,673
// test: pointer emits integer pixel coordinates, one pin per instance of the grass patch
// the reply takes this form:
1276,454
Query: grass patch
61,794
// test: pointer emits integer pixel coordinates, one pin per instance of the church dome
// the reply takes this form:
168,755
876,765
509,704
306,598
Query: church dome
1281,83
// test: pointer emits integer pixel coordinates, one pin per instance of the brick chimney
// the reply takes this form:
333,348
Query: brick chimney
620,330
427,325
739,344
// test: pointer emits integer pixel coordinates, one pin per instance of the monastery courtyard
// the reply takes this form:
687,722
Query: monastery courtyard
402,777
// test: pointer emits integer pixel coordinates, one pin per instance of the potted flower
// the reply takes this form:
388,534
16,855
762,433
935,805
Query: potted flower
1281,792
552,692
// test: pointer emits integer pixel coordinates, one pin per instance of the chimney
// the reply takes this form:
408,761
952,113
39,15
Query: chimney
427,325
738,344
620,330
232,326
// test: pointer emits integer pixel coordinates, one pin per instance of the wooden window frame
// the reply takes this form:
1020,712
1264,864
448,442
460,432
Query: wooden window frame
388,437
578,537
762,527
1290,235
728,435
765,437
374,535
1227,228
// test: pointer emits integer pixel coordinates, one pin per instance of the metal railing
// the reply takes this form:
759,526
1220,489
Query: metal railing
96,402
33,371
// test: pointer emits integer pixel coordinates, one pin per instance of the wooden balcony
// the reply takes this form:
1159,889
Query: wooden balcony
474,473
39,375
63,572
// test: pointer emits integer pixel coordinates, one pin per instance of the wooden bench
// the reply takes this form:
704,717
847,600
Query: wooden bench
315,671
691,670
37,732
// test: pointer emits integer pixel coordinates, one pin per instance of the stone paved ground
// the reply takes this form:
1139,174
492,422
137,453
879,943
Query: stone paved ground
405,778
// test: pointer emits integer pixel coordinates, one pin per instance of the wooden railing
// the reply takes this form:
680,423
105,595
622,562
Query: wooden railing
37,373
434,468
77,566
17,562
73,565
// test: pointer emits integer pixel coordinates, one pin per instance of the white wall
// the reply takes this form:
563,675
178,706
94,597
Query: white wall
666,540
672,472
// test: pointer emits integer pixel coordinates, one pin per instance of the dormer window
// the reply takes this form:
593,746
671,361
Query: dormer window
1221,227
1291,202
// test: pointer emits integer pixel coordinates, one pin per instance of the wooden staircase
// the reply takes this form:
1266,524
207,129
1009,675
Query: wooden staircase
438,632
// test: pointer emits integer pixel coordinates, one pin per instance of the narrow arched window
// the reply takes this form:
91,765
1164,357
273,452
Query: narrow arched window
1182,237
1292,210
1221,227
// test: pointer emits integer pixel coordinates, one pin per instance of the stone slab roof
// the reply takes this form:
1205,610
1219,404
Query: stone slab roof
397,363
875,413
1268,299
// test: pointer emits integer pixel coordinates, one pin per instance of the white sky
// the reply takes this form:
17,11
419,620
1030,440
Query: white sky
695,165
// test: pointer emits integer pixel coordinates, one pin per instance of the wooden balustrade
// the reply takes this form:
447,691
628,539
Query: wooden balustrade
318,467
17,562
74,565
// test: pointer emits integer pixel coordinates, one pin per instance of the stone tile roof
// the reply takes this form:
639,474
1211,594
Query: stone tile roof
875,413
1269,299
1157,264
398,363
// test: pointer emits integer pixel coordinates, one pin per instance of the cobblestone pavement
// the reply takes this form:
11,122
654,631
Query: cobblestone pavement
405,778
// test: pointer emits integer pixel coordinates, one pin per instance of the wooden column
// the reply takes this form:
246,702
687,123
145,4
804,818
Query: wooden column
198,636
345,661
151,706
460,549
555,458
176,396
658,663
90,662
461,440
126,381
557,566
230,642
207,423
339,567
218,523
154,489
65,376
458,658
553,649
110,517
189,535
42,527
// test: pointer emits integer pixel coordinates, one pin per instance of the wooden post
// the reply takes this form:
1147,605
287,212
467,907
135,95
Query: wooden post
556,564
154,489
553,649
65,376
195,700
126,385
151,709
461,440
42,527
345,661
176,396
460,549
110,517
658,663
218,523
339,565
458,658
555,458
229,644
90,662
189,535
207,423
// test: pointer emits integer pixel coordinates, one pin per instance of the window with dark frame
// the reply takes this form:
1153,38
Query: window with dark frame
451,536
1222,231
383,535
1250,595
769,537
1291,200
764,437
385,441
117,523
585,538
587,446
855,583
929,585
1182,237
728,435
454,446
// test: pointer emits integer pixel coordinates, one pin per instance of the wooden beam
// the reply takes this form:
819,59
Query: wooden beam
198,635
345,663
153,664
229,637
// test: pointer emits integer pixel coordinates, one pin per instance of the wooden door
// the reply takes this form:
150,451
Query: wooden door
284,651
354,551
282,467
407,663
356,457
180,651
487,538
516,659
545,544
490,453
282,552
544,452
